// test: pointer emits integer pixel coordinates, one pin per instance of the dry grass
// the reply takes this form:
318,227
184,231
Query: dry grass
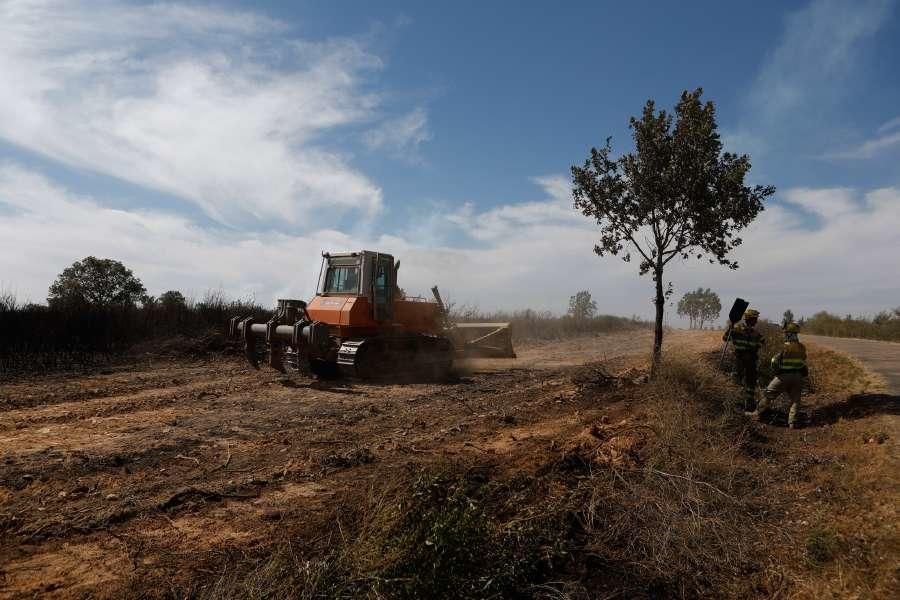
674,513
684,520
684,498
850,544
543,325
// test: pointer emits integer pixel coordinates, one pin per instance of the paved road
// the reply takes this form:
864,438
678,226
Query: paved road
881,357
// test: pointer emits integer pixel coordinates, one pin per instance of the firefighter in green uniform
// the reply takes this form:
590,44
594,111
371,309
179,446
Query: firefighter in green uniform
790,369
747,342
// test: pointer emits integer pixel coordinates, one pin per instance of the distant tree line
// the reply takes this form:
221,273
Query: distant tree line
98,308
883,326
580,319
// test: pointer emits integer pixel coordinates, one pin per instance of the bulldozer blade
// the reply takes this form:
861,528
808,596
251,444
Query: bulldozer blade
487,340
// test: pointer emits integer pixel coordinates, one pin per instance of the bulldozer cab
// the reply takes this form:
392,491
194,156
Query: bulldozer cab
362,274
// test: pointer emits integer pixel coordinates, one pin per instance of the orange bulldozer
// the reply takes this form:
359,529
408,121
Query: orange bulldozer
361,324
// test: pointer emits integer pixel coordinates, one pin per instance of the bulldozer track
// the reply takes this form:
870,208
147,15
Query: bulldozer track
387,357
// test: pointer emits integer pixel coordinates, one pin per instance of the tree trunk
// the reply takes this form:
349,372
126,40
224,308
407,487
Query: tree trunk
660,307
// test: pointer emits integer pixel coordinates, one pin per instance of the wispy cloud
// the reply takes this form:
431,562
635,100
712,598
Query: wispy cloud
889,125
503,221
400,136
887,136
820,46
871,147
804,81
219,107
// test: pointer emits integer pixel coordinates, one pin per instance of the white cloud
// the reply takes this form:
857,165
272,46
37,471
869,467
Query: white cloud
223,109
829,203
845,264
743,142
557,187
50,228
401,136
501,222
531,254
212,105
535,264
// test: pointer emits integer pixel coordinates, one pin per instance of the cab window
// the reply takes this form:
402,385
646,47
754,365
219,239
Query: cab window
342,280
383,309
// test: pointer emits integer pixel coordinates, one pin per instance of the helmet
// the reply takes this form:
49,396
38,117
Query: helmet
792,328
751,313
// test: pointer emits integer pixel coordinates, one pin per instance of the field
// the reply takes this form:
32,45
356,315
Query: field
206,479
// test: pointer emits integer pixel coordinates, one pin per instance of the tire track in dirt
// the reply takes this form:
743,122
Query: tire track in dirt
255,458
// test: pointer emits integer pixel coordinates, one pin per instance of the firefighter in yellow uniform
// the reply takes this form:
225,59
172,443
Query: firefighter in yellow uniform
747,342
790,369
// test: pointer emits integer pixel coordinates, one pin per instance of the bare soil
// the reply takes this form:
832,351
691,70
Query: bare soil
111,479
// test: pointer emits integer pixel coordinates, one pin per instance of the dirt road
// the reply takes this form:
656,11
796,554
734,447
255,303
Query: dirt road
881,357
145,469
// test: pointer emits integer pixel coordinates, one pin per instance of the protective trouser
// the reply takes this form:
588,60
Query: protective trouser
746,375
785,383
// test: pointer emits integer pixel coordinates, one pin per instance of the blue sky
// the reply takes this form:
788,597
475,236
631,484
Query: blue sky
225,145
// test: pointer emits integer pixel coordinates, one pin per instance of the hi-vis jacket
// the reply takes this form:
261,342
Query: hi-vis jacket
745,339
791,359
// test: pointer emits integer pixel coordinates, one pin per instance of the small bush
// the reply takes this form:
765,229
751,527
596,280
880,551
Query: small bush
821,547
447,534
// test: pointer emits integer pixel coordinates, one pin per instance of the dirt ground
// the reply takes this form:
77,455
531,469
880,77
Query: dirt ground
148,468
